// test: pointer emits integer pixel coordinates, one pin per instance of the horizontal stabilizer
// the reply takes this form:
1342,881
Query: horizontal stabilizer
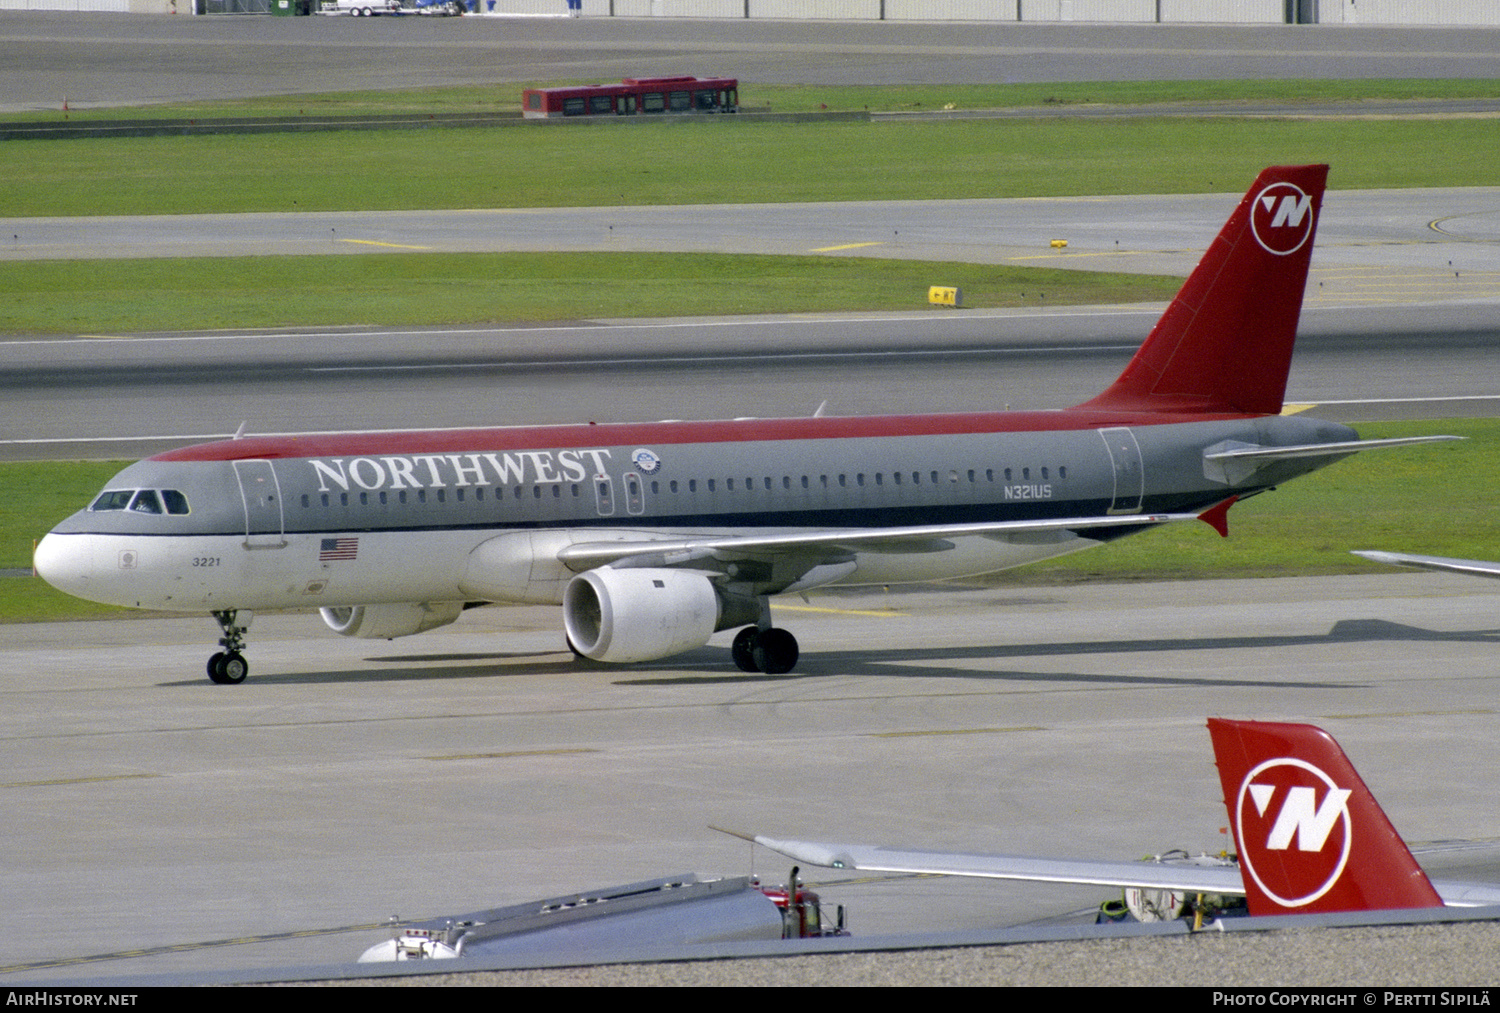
1235,463
1321,449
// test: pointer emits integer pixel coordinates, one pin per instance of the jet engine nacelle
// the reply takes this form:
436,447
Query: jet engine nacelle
639,614
386,622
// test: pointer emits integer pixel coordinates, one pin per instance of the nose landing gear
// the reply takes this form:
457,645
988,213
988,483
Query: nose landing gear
229,667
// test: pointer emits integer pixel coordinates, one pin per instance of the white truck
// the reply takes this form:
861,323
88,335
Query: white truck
361,8
370,8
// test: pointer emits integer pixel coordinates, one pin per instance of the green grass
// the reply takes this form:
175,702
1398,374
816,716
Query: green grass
506,97
425,289
905,98
32,600
721,160
1436,500
40,494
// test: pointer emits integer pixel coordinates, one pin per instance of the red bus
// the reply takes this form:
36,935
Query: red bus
634,95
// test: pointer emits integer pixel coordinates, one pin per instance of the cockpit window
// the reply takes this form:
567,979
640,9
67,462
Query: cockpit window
146,502
142,501
113,499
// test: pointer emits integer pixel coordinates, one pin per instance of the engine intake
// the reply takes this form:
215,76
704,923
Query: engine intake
639,614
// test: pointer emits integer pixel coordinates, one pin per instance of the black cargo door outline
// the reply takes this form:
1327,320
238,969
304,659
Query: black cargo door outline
1128,471
265,526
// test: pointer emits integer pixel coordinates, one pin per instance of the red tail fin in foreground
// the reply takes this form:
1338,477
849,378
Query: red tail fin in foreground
1225,343
1310,835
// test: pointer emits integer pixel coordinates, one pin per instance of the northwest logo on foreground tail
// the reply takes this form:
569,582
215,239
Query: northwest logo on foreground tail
654,537
1310,835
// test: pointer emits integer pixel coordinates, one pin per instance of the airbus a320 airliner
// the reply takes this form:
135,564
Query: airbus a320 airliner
653,537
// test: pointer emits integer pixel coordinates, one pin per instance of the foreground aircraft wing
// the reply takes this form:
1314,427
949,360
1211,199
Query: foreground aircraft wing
1156,875
1472,567
911,538
1311,838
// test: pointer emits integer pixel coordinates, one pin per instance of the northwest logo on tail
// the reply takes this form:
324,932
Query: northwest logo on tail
1281,217
1311,837
1295,828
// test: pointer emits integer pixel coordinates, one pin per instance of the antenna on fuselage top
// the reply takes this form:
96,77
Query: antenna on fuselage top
239,434
819,413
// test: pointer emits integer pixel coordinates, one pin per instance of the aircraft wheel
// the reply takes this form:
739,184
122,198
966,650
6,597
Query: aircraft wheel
743,649
775,651
232,669
215,668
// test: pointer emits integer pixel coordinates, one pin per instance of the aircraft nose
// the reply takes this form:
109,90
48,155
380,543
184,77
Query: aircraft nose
64,562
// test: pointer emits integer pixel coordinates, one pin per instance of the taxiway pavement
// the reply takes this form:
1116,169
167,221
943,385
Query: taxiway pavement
480,764
1373,246
96,59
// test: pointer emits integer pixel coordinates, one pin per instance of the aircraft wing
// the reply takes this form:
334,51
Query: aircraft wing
1472,567
1148,874
1156,875
912,538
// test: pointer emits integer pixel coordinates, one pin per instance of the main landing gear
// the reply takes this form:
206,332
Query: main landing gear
771,650
229,667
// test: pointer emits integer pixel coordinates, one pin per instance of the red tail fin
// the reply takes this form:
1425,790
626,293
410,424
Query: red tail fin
1225,343
1310,835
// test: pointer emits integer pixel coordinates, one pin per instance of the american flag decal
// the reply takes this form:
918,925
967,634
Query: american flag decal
338,548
